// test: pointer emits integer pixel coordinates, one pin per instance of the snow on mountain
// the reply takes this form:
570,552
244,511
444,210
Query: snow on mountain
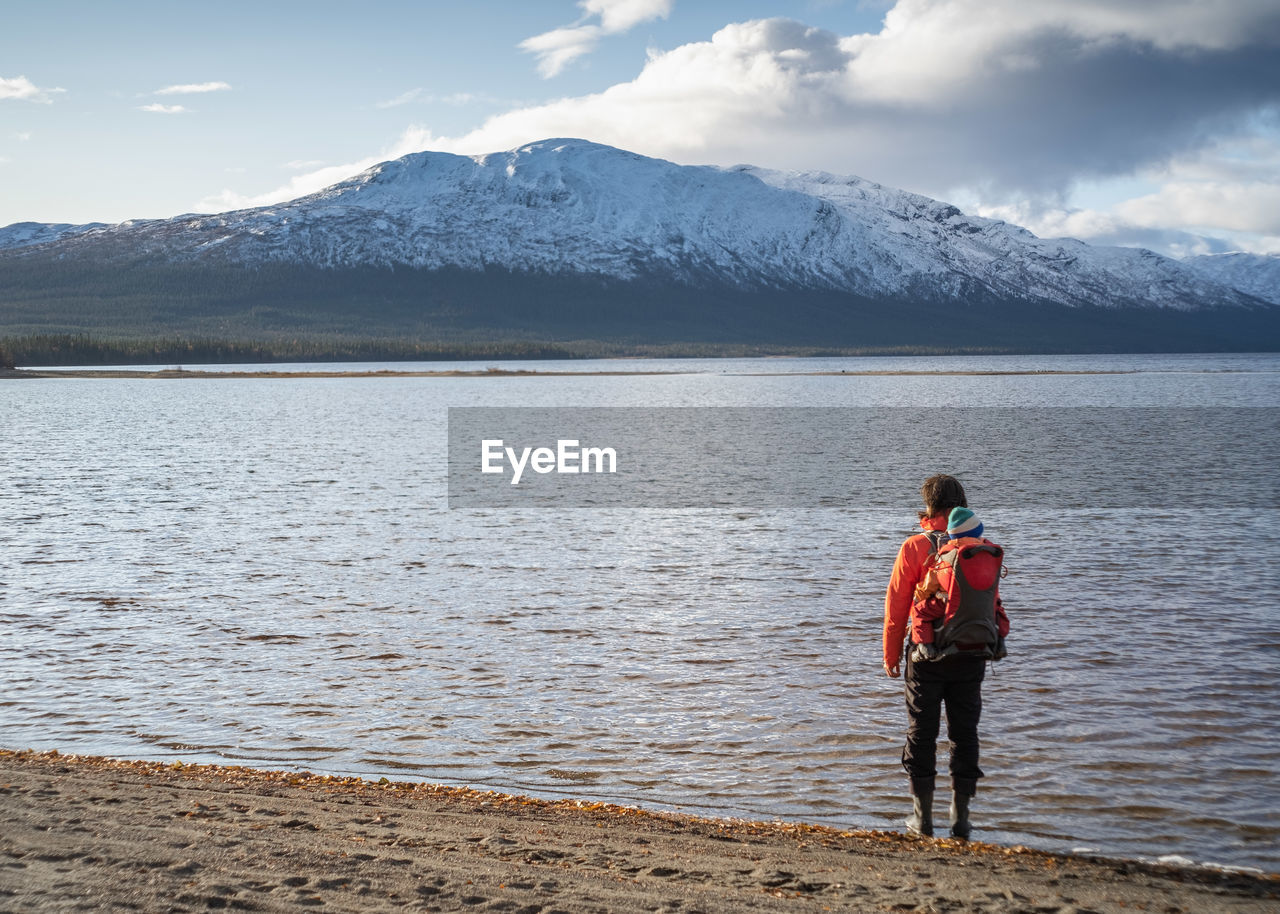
572,206
1255,274
21,234
951,251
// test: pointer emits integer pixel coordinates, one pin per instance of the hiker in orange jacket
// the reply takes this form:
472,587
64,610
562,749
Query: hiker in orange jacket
954,681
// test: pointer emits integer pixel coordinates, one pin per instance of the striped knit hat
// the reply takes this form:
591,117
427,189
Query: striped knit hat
963,522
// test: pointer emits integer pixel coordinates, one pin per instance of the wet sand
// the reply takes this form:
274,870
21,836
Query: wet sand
91,834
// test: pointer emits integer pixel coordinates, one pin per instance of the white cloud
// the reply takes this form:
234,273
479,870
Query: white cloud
1252,206
1005,99
464,98
23,137
303,164
1230,186
402,99
1024,97
22,89
1225,196
414,139
926,44
1055,222
695,100
621,15
163,109
558,48
193,88
422,95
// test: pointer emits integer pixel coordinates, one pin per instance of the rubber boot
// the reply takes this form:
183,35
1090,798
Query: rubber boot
960,827
920,822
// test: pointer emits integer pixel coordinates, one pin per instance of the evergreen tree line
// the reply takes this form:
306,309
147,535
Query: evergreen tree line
83,349
85,313
80,349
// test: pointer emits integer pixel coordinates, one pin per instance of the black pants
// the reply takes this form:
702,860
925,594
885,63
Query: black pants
955,682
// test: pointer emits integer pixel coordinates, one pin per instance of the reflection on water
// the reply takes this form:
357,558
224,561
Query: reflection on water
266,572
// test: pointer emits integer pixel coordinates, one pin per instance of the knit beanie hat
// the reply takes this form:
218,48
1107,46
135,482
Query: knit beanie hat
963,522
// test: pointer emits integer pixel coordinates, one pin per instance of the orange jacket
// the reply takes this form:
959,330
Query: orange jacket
908,569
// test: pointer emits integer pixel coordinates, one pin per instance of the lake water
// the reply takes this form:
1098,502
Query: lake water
267,572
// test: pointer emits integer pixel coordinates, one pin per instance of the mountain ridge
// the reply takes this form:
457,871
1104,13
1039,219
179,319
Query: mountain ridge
532,239
1255,274
579,207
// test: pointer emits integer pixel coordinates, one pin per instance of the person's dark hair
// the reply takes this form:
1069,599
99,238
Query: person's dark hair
941,493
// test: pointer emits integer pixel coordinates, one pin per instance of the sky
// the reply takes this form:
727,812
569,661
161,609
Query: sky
1138,122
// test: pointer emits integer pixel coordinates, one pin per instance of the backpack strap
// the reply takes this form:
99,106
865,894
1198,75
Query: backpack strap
935,538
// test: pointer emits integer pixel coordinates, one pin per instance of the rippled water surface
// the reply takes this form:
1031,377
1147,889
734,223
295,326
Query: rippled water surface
267,572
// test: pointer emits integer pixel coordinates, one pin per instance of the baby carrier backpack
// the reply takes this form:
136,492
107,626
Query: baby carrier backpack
969,577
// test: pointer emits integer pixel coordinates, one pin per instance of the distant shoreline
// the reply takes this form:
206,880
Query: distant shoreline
182,374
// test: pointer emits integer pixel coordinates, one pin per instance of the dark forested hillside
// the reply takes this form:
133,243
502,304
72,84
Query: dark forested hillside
273,310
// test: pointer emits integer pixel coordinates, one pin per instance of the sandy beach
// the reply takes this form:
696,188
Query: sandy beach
92,834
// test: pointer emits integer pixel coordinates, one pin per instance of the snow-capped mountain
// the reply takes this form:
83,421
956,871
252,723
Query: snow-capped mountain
22,234
1256,274
576,208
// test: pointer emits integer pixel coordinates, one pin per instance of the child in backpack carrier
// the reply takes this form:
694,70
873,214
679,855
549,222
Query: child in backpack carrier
929,601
